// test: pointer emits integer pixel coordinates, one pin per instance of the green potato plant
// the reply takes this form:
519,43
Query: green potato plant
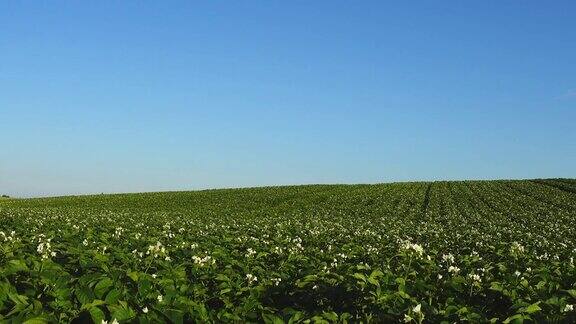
420,252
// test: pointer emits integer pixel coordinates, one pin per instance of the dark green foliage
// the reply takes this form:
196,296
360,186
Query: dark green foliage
479,251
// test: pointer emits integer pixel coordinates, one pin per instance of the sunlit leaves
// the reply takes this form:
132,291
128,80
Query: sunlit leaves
497,251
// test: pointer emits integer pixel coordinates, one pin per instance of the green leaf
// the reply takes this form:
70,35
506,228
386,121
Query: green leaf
272,319
102,287
401,283
319,320
133,275
296,317
18,299
310,278
96,302
84,295
572,292
376,274
225,291
113,296
331,316
144,287
533,308
121,312
373,281
360,276
462,310
97,314
516,319
176,316
496,286
15,266
37,320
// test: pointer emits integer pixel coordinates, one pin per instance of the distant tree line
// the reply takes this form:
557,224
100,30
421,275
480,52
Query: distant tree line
5,196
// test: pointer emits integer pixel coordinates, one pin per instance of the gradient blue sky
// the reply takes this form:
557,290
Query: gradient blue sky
121,96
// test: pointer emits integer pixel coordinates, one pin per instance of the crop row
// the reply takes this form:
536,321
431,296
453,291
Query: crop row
416,252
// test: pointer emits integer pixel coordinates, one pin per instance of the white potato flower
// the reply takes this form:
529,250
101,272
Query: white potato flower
453,269
416,309
251,278
407,318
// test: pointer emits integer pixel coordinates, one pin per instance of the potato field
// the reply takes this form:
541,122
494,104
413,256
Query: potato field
418,252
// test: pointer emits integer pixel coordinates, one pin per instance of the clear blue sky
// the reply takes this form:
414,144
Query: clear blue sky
121,96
